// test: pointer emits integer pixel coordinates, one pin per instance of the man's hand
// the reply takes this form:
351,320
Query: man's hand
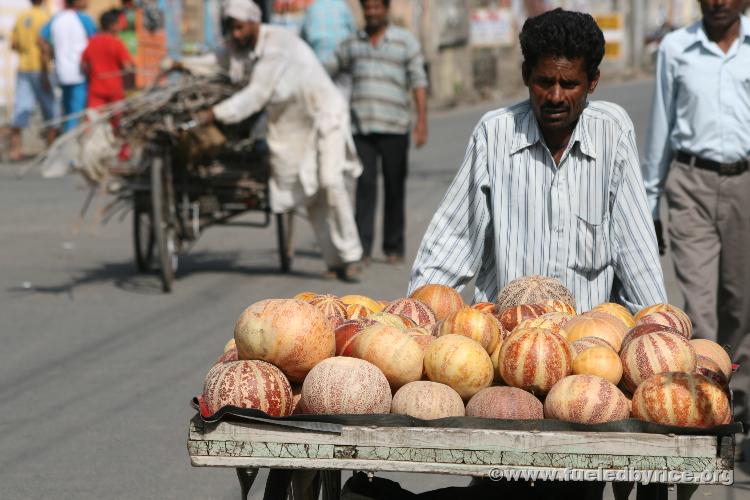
420,133
660,236
204,117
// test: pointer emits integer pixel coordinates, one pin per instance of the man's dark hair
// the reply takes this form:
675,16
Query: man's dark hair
109,19
70,3
562,33
386,3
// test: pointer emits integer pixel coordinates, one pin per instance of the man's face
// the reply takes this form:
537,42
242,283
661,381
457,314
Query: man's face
80,4
720,14
243,33
558,88
376,14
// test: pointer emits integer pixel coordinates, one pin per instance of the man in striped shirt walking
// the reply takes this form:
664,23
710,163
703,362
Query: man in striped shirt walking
385,63
550,186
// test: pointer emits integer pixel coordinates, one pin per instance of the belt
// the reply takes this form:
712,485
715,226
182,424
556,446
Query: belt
735,168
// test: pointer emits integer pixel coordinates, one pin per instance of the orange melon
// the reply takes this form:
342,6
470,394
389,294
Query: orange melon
345,334
508,403
617,311
371,304
459,362
596,324
397,354
427,400
289,333
442,299
600,361
344,385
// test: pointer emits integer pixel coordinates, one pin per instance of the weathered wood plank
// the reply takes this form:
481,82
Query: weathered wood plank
611,443
588,461
381,466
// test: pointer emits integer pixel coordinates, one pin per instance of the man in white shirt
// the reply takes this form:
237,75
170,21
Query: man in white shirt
64,38
309,138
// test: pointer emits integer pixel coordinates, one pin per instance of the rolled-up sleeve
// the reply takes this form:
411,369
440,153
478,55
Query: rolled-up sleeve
637,262
658,150
452,248
415,65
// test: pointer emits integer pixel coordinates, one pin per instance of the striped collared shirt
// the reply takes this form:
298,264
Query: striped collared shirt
511,212
382,76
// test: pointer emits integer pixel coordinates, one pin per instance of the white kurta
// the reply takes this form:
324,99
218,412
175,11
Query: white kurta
303,104
309,132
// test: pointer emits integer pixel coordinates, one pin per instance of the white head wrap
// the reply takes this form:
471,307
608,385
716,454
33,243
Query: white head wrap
242,10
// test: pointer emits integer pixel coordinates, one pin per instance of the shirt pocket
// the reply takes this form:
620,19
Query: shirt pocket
590,246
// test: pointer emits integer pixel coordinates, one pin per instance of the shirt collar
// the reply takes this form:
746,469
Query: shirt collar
362,34
700,33
527,134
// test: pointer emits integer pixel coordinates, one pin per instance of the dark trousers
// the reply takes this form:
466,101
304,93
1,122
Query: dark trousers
393,152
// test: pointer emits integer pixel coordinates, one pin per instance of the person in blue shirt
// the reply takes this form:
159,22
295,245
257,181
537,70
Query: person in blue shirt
64,38
326,24
698,154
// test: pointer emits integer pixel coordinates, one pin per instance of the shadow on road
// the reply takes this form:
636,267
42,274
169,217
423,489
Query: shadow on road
124,276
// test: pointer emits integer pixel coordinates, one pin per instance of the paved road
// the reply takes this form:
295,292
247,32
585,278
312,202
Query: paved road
97,366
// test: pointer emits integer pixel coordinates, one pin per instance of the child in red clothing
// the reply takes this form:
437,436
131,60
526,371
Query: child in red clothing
104,61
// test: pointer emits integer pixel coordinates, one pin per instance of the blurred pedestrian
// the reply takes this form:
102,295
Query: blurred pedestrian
698,154
105,62
386,64
64,38
309,136
32,80
326,24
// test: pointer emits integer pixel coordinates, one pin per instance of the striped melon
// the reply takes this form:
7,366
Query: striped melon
427,400
331,307
534,359
554,321
586,399
645,329
673,319
533,290
683,399
559,306
474,324
248,384
511,317
581,345
655,353
415,310
343,385
714,351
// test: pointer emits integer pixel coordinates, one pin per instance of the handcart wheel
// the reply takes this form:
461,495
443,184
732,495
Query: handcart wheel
143,235
162,218
284,234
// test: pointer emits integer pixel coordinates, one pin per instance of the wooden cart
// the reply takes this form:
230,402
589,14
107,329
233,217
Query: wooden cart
249,446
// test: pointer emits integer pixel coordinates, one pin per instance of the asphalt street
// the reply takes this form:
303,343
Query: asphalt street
97,366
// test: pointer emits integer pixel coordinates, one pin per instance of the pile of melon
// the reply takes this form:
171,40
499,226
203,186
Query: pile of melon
527,356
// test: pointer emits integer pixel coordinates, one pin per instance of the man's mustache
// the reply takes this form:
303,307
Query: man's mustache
555,109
